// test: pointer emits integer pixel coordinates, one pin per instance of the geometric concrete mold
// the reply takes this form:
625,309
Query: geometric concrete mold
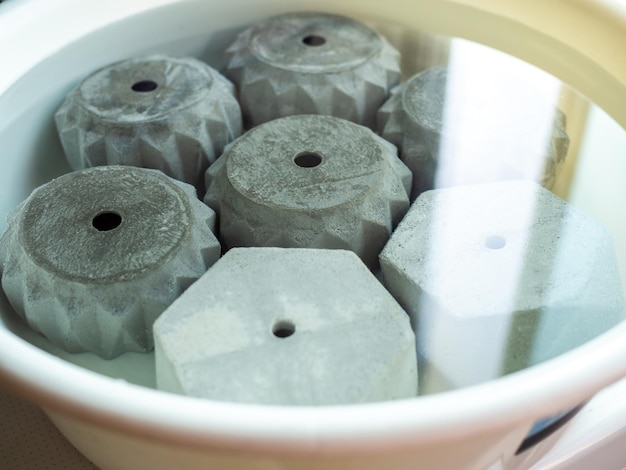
312,63
498,277
454,126
92,258
287,327
309,181
166,113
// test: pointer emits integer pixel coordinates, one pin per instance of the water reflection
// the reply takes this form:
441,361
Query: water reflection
500,274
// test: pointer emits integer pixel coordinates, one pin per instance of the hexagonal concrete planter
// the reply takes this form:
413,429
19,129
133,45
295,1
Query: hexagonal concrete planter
287,327
498,277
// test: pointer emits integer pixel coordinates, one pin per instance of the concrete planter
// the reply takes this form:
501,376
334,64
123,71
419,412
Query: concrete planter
312,63
463,125
309,182
282,326
92,258
171,114
499,277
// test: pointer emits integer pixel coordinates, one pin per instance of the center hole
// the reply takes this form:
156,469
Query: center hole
495,242
106,221
308,159
314,40
144,86
283,329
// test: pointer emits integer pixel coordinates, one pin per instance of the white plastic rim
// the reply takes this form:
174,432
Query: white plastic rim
580,42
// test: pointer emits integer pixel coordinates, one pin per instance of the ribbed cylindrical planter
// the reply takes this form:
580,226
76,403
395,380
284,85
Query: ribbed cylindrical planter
456,126
92,258
167,113
309,181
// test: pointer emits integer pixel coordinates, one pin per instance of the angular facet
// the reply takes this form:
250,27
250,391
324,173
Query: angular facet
498,277
287,327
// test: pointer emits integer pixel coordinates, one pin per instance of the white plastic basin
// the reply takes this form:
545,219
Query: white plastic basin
49,46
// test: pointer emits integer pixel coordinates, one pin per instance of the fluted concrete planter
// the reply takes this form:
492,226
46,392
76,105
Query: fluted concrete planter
499,277
167,113
309,181
92,258
287,327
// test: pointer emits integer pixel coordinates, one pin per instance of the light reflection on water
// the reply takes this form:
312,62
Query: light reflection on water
556,283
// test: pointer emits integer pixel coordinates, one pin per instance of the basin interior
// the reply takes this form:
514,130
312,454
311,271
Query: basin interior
591,178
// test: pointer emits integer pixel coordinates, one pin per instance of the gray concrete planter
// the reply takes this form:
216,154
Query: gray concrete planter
312,63
92,258
309,181
171,114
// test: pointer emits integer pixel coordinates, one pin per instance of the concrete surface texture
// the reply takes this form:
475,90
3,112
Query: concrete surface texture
498,277
312,63
92,258
455,125
309,181
287,327
171,114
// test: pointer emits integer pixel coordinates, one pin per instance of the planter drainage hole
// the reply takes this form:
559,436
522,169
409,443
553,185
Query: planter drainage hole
106,221
144,86
495,242
308,159
314,40
283,329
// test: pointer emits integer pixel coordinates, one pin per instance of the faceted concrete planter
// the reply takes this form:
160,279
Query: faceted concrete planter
499,277
449,132
93,257
287,327
312,63
171,114
309,182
